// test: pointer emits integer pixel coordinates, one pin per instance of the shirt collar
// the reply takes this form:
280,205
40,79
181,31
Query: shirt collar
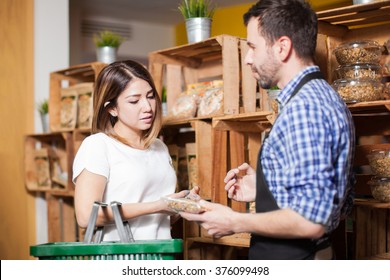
285,94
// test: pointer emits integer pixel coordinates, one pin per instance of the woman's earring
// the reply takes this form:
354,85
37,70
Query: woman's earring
114,115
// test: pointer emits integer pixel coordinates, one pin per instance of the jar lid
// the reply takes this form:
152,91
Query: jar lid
380,152
375,66
378,180
356,81
359,44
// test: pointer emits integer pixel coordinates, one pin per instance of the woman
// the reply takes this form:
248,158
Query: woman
123,160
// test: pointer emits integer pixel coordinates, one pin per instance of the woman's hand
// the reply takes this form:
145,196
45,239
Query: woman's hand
241,188
194,194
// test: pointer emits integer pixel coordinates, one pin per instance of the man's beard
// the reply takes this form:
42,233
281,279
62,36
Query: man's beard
263,81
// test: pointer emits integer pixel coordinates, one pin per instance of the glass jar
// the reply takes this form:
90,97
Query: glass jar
359,71
380,188
365,51
358,90
379,161
272,102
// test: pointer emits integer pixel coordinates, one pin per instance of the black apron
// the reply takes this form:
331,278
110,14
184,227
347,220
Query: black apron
268,248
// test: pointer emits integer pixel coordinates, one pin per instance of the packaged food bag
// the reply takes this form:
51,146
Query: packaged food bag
68,113
84,105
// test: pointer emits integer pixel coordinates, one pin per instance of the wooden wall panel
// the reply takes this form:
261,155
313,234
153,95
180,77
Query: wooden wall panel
17,208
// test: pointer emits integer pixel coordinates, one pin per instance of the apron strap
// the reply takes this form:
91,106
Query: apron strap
275,248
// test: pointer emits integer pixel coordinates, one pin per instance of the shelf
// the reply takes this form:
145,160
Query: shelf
62,193
259,121
372,203
372,107
246,122
234,240
384,256
357,15
182,122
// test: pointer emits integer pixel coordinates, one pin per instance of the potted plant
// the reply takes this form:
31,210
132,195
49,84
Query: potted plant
107,44
272,95
198,15
43,109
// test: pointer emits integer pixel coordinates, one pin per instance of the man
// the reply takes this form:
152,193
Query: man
301,185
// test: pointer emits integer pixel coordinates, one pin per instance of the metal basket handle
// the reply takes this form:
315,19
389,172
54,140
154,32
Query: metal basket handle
122,226
92,223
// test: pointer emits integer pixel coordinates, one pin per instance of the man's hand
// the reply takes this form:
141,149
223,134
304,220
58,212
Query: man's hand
217,219
241,188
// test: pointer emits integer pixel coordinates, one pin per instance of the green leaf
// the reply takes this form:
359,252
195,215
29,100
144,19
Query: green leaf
108,38
196,8
43,107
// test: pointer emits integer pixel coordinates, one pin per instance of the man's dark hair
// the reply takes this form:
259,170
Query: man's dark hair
292,18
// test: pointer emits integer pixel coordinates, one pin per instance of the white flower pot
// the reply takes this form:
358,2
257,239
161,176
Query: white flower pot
198,29
45,122
106,54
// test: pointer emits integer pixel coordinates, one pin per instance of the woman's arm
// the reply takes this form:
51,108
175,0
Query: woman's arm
90,188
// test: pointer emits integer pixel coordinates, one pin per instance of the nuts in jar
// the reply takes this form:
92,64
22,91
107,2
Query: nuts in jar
359,90
365,51
358,71
379,161
380,189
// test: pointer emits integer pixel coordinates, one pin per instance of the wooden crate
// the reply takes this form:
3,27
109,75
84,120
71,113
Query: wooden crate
219,57
78,137
82,73
62,226
61,149
372,229
200,133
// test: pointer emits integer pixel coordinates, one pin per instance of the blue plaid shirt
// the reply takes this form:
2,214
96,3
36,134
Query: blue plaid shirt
307,158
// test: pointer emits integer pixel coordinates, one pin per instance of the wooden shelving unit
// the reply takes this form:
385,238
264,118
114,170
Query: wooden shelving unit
63,145
370,233
236,135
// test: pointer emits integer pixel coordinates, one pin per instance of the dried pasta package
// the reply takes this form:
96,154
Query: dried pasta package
192,165
42,168
84,105
185,107
199,89
211,103
68,108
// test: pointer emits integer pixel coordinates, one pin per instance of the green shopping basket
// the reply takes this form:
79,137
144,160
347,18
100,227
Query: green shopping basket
126,249
138,250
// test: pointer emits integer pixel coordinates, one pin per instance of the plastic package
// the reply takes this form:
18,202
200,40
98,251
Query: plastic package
185,107
184,205
365,51
211,102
